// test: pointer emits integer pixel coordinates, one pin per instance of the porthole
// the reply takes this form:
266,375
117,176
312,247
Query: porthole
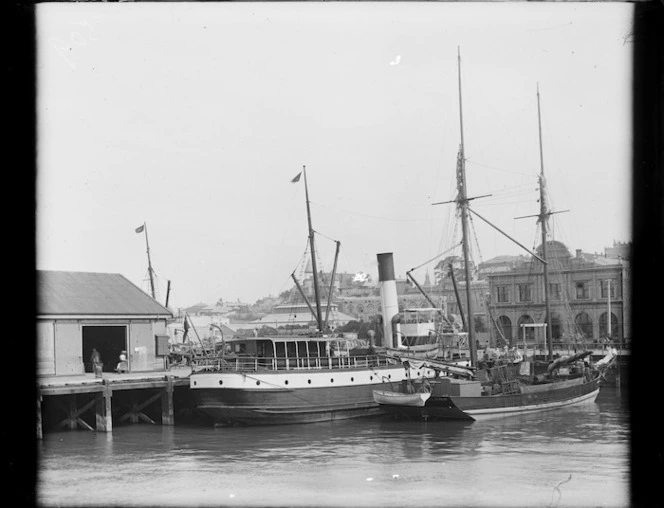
309,381
332,380
257,383
389,376
194,383
370,378
352,379
221,382
286,382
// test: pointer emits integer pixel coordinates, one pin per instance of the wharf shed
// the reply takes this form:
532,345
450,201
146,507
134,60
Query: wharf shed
79,311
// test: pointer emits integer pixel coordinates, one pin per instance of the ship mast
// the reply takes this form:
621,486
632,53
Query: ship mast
150,271
462,205
319,316
543,218
462,201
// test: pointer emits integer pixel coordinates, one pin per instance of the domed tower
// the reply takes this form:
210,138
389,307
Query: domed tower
554,250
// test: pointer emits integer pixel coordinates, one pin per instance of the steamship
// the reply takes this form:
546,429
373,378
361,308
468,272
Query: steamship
302,379
284,380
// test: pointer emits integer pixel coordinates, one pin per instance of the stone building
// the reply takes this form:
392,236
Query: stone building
589,297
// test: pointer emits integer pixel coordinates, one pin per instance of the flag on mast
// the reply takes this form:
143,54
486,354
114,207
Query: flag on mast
297,177
140,229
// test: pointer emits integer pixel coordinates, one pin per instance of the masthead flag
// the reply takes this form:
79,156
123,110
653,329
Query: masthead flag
297,178
140,228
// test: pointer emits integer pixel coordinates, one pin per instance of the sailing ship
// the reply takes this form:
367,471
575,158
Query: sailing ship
296,379
508,387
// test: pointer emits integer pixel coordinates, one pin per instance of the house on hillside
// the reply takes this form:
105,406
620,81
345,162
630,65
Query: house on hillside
79,311
287,316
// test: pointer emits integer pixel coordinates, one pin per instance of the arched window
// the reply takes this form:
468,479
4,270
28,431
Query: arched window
371,309
529,331
504,330
351,309
584,324
360,309
603,326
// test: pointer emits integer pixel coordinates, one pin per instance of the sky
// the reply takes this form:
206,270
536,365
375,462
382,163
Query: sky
193,118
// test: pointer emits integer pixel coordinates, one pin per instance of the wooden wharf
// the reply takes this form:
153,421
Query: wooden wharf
135,395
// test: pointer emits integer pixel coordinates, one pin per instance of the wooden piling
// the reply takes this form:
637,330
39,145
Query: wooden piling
103,409
72,414
40,430
167,410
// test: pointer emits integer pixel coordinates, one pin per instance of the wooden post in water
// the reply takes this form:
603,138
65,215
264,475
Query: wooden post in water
103,413
71,421
40,432
167,411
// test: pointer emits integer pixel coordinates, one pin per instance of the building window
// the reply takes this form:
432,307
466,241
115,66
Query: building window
581,290
556,326
525,293
504,329
554,290
604,326
584,325
605,288
502,294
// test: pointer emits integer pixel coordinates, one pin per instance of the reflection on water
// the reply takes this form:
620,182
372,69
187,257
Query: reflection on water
511,461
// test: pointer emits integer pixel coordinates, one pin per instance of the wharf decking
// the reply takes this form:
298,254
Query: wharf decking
135,392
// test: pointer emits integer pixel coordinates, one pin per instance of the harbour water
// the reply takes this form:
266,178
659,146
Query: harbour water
578,456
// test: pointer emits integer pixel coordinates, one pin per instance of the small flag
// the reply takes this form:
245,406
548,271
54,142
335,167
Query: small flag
297,178
140,228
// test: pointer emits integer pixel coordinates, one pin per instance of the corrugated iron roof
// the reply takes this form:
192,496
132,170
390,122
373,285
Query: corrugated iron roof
89,293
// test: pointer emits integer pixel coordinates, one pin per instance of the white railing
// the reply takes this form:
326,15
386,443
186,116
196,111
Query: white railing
279,364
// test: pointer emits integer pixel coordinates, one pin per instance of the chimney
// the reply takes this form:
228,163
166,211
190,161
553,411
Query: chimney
388,296
578,253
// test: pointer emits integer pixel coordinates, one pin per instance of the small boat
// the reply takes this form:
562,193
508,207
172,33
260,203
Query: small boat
402,399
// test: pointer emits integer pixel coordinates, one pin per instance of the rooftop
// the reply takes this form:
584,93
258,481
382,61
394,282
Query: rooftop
91,293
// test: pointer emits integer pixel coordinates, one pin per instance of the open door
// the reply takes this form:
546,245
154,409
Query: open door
109,340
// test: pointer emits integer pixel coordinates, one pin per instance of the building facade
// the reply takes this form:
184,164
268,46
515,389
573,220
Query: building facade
589,298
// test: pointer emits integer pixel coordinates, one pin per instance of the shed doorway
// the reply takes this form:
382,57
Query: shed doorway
110,341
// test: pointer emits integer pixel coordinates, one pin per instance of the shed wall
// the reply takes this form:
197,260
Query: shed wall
45,348
68,349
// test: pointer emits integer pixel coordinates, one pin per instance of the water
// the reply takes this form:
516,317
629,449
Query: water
577,456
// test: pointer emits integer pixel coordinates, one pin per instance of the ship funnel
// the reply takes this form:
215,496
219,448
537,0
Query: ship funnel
388,297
